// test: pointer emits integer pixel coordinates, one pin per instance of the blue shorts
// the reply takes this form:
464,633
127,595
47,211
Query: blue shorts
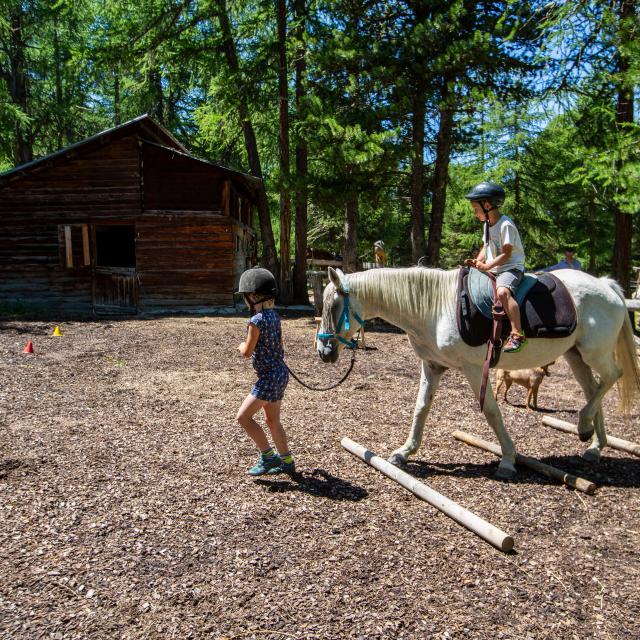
270,386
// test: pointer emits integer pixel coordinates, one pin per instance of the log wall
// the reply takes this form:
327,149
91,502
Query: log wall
101,184
189,251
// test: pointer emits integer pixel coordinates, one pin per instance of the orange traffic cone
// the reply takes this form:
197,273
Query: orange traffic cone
28,348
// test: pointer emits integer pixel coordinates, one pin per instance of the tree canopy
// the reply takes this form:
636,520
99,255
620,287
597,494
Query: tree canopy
366,120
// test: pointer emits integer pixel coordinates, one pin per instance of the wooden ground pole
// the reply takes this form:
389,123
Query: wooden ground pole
551,472
615,443
471,521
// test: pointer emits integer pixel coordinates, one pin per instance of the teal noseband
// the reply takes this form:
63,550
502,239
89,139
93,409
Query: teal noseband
344,320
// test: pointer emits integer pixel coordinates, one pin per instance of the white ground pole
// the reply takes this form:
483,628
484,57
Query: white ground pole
471,521
551,472
615,443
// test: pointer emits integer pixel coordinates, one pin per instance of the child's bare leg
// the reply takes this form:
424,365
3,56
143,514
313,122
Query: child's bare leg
272,414
511,308
247,410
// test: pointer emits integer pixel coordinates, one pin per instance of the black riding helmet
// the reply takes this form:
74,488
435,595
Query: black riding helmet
489,191
259,281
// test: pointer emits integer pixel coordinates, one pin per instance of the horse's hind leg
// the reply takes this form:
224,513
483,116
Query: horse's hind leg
506,469
591,420
429,381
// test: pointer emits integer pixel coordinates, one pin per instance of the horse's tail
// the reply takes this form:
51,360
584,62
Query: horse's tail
625,355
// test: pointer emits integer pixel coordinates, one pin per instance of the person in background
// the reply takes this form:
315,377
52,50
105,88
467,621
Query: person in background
569,262
379,254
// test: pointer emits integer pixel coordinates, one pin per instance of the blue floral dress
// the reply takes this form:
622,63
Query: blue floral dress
268,358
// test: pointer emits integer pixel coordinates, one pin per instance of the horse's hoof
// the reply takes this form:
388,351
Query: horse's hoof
585,436
504,473
397,460
591,455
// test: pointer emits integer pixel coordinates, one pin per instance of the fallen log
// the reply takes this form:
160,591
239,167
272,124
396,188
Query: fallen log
615,443
551,472
468,519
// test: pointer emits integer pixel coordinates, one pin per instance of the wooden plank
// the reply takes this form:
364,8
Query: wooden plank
466,518
547,470
613,442
324,263
226,193
68,246
85,245
633,304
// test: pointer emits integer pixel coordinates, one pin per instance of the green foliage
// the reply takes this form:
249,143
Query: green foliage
540,119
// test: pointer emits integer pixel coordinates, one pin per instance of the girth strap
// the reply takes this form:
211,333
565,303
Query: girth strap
494,344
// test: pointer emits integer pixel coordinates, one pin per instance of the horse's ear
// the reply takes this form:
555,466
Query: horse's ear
336,277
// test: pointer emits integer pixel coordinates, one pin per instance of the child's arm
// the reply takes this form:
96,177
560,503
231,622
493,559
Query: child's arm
501,258
473,262
246,348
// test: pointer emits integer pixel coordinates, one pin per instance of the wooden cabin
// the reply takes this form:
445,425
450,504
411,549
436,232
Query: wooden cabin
124,222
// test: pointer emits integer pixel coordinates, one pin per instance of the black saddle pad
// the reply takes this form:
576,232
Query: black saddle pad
547,311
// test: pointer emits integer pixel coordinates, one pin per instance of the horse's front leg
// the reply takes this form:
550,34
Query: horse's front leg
507,468
429,381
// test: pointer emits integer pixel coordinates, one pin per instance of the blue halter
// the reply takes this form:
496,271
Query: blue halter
344,319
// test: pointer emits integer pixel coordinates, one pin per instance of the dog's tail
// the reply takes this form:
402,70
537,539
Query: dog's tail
625,355
545,368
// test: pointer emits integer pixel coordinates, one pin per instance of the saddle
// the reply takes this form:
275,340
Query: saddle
546,308
546,311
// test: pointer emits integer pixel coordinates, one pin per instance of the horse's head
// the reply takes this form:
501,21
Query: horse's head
341,318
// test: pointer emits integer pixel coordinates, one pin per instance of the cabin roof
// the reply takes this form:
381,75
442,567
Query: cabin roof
251,183
147,128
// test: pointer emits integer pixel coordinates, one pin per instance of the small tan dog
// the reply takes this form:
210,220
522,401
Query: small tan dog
530,379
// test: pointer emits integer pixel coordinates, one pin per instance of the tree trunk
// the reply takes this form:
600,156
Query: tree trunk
624,115
418,244
269,255
593,233
517,182
23,149
58,79
117,117
155,106
300,293
283,139
440,176
349,254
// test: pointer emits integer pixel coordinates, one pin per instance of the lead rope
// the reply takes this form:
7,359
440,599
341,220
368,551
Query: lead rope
350,344
331,386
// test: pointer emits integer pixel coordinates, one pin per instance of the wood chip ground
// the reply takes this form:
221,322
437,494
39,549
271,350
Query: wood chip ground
126,511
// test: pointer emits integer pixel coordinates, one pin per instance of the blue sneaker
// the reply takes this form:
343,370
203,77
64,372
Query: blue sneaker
264,465
284,467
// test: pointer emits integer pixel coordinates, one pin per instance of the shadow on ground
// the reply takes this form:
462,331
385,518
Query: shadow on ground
317,483
611,472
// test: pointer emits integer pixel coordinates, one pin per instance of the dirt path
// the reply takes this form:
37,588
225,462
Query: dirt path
126,511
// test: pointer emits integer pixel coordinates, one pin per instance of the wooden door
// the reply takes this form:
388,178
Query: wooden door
115,279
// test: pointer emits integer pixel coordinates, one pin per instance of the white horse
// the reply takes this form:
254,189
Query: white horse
422,302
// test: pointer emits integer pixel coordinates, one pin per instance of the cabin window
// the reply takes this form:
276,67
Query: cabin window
74,239
115,246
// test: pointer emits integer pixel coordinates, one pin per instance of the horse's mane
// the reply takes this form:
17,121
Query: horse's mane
415,291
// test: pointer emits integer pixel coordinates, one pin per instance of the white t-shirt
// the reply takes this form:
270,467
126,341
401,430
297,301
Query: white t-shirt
501,233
